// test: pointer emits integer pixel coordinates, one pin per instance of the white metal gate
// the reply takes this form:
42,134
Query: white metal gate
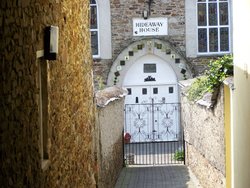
152,112
152,136
152,121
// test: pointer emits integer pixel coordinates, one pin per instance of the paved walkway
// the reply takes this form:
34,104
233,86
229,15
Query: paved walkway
174,176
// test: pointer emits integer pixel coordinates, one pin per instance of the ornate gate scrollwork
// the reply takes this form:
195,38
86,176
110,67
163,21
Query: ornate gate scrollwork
152,122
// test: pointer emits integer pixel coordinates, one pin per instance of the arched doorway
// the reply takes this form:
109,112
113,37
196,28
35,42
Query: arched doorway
138,49
152,103
150,70
150,78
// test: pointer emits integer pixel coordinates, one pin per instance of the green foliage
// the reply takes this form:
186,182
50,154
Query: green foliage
218,70
179,156
198,89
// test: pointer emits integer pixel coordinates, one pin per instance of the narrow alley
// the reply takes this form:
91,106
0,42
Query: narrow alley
124,93
174,176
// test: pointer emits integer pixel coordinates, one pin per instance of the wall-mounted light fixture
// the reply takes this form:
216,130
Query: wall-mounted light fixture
145,14
51,37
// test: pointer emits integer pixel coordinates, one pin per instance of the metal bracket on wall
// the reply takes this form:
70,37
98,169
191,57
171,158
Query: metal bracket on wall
149,5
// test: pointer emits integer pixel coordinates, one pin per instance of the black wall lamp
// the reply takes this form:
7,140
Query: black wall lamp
51,37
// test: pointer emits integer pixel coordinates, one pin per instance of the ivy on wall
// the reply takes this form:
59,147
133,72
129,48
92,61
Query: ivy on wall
217,71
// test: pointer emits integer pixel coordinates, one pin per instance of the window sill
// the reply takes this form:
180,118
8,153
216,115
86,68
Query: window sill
213,54
45,164
96,56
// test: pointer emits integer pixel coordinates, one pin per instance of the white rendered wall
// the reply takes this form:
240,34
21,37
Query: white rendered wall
241,101
104,29
164,73
191,28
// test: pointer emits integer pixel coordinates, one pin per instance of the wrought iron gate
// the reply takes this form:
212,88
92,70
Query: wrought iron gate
152,134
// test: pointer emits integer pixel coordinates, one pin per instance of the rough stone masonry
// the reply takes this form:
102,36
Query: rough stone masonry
69,91
205,140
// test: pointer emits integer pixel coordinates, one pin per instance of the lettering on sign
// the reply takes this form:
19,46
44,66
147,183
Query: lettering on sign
150,27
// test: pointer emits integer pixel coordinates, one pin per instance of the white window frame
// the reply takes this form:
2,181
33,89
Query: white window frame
97,30
218,26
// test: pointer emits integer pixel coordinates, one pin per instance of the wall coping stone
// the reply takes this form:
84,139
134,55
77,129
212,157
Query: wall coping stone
107,95
229,81
208,100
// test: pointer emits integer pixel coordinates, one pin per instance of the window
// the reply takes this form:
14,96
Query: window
155,90
171,90
149,68
94,28
129,91
144,91
213,26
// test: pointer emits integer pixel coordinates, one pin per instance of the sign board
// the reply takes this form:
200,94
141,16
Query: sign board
150,27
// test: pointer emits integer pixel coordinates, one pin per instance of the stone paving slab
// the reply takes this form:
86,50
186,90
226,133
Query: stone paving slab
174,176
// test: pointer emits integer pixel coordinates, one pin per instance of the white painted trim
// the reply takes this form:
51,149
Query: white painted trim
104,30
217,26
150,84
147,49
45,164
40,111
191,28
97,29
39,54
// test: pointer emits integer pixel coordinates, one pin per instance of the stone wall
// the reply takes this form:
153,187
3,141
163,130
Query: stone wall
109,124
205,143
70,95
199,64
123,12
101,71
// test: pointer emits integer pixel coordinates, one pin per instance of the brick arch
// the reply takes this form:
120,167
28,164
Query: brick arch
157,47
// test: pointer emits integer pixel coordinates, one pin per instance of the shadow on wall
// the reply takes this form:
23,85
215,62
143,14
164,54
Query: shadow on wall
109,138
